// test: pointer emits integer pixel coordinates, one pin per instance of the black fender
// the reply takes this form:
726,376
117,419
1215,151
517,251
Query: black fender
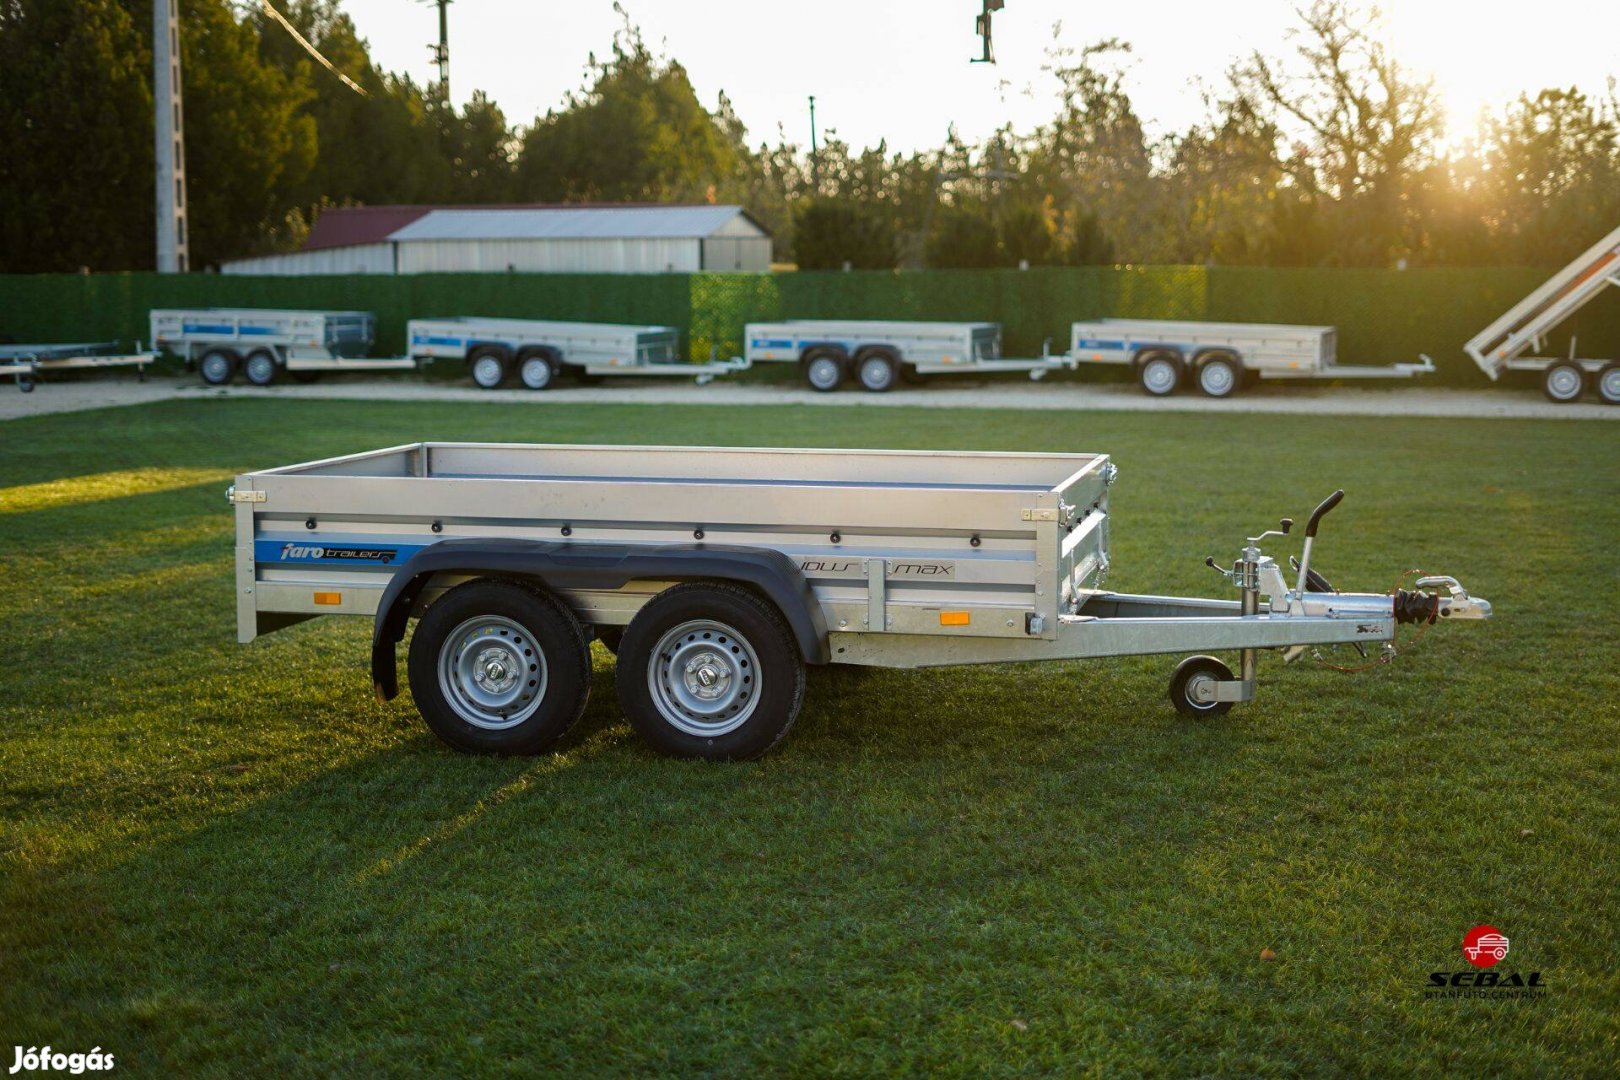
565,566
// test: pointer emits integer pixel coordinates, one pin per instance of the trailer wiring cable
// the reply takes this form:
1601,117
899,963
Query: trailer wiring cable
1414,602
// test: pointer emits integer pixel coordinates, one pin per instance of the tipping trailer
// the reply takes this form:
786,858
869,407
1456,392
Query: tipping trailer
718,575
1505,344
1220,357
263,343
537,351
878,353
26,363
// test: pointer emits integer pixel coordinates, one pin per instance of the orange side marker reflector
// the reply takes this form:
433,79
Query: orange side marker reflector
955,618
329,598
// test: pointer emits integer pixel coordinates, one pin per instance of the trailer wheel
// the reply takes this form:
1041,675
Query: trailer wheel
499,668
25,383
876,372
1220,376
824,371
217,366
260,368
1563,382
487,366
710,671
1192,687
536,369
1159,373
1608,384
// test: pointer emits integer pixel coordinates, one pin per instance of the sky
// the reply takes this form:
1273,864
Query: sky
899,70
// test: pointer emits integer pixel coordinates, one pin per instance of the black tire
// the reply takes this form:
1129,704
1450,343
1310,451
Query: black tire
511,618
1192,672
1607,384
537,369
489,367
1159,373
217,366
876,371
1220,376
611,638
260,367
757,679
824,370
1563,382
25,384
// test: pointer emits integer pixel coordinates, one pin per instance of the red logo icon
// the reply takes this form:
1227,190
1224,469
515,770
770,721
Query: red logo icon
1485,946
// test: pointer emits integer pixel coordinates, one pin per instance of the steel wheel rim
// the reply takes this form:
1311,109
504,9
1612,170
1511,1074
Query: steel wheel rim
1564,383
1216,378
1159,376
260,368
1201,683
876,374
492,672
823,373
704,678
536,373
1609,385
215,368
487,372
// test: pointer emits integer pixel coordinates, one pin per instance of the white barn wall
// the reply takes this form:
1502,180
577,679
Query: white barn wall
609,256
359,259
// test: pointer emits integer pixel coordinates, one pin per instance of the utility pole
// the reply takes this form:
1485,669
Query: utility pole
169,134
815,156
441,51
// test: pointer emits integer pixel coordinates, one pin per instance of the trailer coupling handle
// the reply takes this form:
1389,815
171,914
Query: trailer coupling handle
1317,515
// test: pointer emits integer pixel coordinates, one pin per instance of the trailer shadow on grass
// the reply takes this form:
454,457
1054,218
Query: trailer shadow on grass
386,905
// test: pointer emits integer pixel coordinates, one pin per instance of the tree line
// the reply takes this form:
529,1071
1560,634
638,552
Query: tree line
1330,155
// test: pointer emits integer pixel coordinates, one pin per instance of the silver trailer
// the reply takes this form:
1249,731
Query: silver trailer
27,363
1219,357
537,351
717,575
264,343
1506,344
877,354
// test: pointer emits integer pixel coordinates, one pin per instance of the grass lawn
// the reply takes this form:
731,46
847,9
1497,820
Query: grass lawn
222,860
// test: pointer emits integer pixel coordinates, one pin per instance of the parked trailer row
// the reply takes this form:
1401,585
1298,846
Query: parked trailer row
1165,355
874,354
719,575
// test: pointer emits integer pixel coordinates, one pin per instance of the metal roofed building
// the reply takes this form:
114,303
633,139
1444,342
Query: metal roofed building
626,239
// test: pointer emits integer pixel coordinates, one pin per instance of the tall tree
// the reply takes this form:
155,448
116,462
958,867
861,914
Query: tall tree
637,132
1367,130
76,121
1551,176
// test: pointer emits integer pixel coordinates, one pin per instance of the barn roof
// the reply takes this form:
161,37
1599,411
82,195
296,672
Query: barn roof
571,223
345,226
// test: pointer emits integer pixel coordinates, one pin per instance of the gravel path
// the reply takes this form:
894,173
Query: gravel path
943,393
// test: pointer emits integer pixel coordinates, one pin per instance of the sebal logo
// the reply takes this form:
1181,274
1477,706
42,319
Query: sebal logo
1485,946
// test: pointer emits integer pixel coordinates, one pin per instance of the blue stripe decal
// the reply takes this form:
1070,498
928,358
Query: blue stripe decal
315,553
761,343
429,339
1086,343
221,328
